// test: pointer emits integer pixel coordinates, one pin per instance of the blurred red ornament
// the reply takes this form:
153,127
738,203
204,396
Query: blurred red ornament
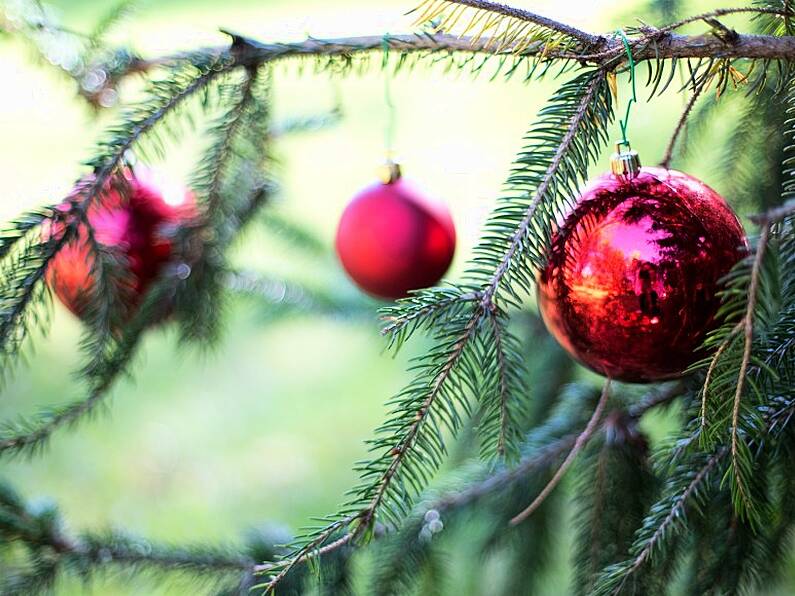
630,285
391,239
135,219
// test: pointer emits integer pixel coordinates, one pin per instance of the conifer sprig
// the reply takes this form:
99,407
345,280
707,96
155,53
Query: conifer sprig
107,353
685,492
30,266
89,554
504,26
541,186
409,445
475,362
757,304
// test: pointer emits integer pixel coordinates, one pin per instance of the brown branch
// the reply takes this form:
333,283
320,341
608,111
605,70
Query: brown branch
667,46
654,35
579,443
711,370
721,12
775,214
748,330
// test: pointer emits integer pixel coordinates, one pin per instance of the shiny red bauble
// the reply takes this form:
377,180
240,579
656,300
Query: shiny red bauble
135,219
630,284
391,239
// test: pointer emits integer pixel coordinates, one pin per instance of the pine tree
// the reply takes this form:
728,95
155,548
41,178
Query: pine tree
710,511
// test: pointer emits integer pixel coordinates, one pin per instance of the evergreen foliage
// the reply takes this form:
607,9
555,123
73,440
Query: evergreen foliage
713,506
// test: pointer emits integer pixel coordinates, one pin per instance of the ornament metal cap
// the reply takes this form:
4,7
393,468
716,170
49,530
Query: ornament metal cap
389,172
625,163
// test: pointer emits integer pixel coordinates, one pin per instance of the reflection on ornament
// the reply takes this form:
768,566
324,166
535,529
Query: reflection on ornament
135,219
391,239
630,284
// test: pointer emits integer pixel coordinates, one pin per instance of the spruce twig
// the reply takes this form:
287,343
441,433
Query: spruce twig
579,444
748,333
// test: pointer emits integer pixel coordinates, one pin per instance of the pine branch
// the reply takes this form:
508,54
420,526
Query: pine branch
409,446
222,153
84,555
479,497
579,443
557,153
506,426
163,99
409,436
423,310
21,288
614,489
517,29
29,436
480,492
749,346
311,550
282,297
112,17
232,182
545,446
748,332
684,491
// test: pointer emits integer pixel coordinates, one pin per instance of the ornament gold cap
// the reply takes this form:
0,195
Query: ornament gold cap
389,172
625,163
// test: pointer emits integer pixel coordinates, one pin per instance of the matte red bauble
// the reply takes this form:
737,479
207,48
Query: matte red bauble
391,239
137,225
630,285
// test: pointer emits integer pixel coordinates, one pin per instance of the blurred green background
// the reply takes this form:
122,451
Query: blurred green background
202,444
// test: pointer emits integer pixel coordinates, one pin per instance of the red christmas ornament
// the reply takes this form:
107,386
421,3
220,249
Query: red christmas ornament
391,239
136,218
630,285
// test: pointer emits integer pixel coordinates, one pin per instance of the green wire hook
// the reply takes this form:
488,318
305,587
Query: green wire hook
624,123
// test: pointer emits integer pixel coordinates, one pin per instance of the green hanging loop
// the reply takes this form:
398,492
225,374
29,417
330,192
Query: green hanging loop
624,123
389,132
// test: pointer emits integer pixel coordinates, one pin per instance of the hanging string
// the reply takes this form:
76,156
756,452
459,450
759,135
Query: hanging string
391,116
624,123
